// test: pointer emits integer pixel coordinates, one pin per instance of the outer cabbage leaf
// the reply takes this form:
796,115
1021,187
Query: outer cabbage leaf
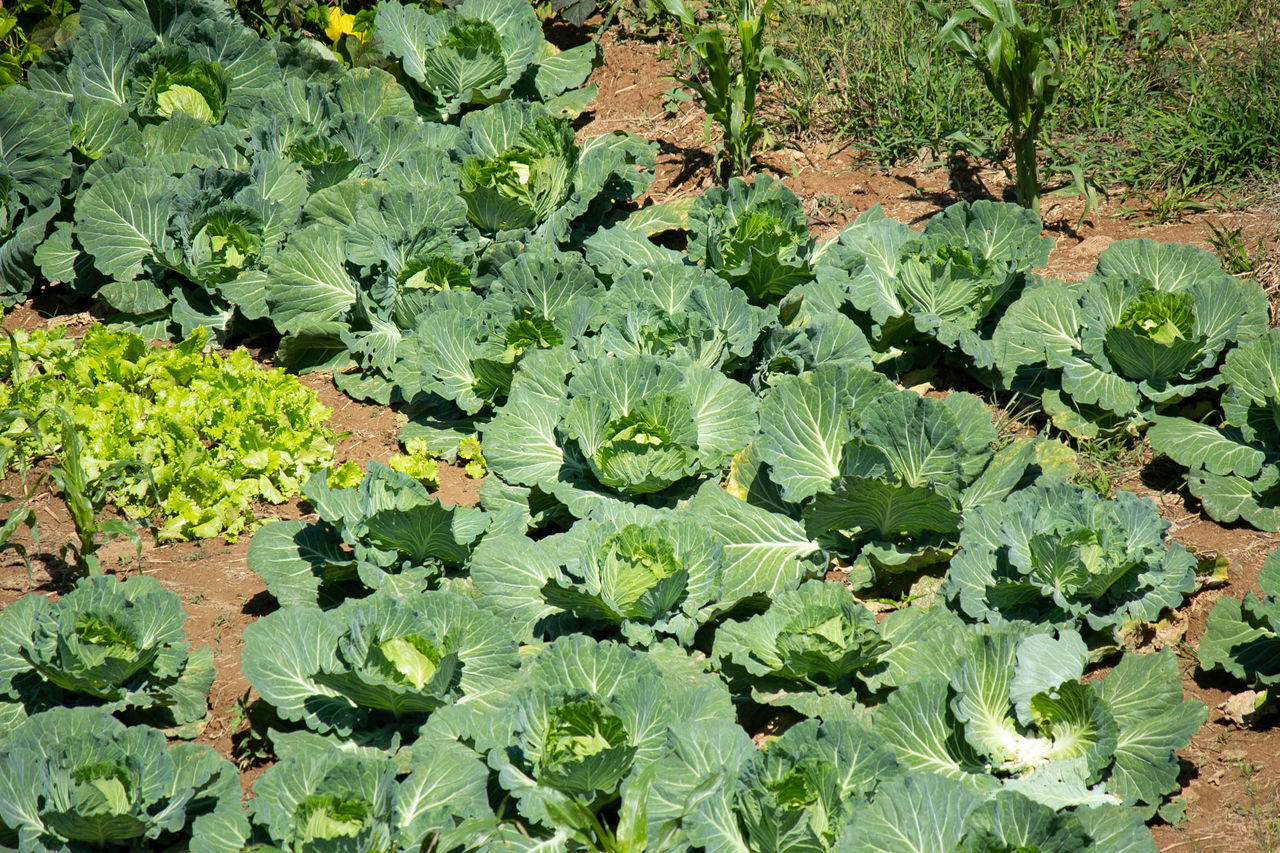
923,814
1060,555
766,552
916,813
1243,637
34,160
1235,466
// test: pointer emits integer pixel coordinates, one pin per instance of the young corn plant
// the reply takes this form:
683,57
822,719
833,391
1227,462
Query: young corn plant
728,73
22,513
1017,59
86,498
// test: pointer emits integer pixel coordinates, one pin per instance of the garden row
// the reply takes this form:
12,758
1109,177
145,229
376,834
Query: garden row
680,444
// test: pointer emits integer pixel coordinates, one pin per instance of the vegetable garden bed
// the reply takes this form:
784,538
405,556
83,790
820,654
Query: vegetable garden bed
616,395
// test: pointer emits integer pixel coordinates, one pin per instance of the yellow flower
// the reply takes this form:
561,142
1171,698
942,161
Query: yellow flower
340,24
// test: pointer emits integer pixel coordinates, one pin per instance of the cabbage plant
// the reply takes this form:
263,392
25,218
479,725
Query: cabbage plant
813,327
320,796
949,284
793,794
753,235
481,52
934,812
1148,329
116,645
573,740
1234,466
836,785
349,294
1242,637
680,312
642,577
883,476
1013,713
173,216
1060,555
78,779
814,650
616,428
522,172
380,661
467,347
386,532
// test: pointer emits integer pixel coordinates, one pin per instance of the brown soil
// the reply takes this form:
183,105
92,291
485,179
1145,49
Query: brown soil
1231,774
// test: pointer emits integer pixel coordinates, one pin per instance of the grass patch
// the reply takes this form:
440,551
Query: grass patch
1170,99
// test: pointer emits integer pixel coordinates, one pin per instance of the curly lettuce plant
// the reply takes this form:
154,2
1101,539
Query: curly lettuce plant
626,428
1149,329
78,779
949,284
218,433
1060,555
384,532
117,645
377,662
1242,637
1234,457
